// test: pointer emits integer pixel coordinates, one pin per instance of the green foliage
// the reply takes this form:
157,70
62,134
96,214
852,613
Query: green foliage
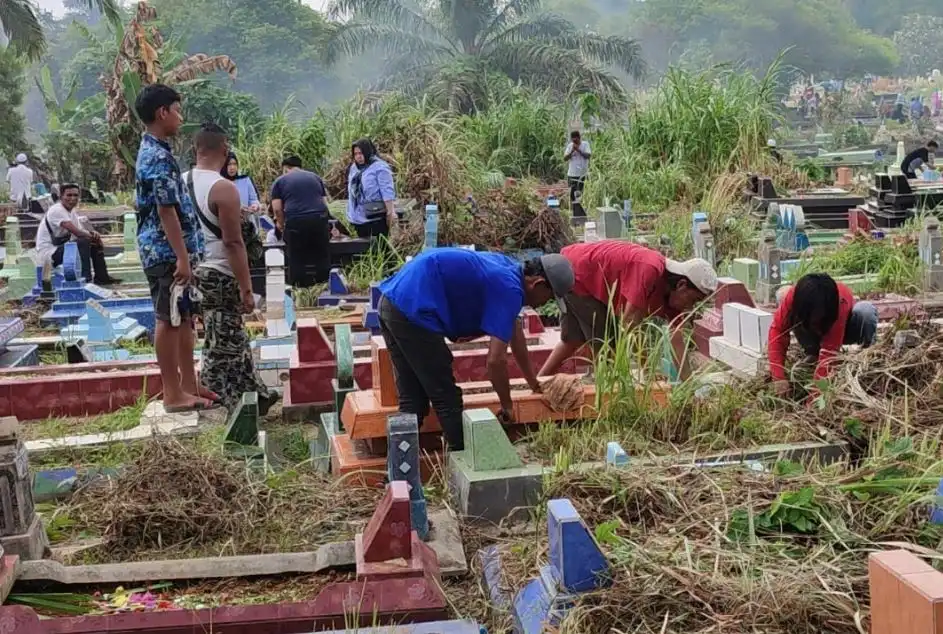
792,511
693,128
919,44
208,101
12,80
452,52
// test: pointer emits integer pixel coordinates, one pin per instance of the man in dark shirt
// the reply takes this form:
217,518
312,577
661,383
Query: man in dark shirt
301,214
917,159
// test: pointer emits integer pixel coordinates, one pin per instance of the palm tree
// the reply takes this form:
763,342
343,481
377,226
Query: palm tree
456,48
22,27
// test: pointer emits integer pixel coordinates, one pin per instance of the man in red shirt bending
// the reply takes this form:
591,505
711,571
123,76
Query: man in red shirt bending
637,283
824,316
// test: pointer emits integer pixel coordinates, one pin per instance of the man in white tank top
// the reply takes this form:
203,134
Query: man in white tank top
223,276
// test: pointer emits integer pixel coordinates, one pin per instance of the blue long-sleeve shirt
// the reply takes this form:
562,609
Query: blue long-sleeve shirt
377,182
247,194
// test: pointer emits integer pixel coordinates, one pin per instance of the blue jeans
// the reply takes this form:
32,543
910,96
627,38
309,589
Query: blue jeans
861,329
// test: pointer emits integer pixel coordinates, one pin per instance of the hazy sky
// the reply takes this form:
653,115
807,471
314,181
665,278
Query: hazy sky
56,5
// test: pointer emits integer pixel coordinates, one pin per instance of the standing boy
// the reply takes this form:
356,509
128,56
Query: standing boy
170,243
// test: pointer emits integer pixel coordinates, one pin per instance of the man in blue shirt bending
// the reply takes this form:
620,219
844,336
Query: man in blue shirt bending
460,294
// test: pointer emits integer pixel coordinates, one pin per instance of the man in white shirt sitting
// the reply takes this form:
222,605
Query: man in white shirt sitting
61,224
577,154
20,179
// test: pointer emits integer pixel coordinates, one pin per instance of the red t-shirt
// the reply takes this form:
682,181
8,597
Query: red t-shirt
779,335
631,274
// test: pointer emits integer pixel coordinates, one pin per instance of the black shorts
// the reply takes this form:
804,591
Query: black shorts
160,279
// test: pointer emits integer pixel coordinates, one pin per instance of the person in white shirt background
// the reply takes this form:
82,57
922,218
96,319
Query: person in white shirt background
577,154
61,224
20,178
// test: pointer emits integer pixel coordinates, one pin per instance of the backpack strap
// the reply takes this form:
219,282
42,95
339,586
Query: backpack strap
214,228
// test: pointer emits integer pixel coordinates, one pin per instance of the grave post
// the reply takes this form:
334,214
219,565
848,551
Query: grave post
131,255
770,277
12,242
931,251
21,530
702,236
403,464
432,227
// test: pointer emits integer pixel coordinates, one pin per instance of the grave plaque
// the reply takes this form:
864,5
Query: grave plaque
403,464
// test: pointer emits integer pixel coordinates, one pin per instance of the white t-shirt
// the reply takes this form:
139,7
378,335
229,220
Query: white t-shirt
214,250
579,163
56,215
21,182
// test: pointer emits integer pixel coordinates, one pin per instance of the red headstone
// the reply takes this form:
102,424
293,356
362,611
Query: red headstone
313,345
387,534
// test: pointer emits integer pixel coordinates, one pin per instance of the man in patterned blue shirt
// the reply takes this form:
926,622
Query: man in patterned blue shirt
170,242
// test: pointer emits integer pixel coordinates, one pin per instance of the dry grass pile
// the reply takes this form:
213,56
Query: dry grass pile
173,500
564,392
698,550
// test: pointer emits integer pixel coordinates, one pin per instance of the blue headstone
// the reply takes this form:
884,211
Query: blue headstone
402,463
615,455
375,295
71,265
289,307
337,283
490,559
575,556
936,513
99,322
371,321
802,242
553,202
540,605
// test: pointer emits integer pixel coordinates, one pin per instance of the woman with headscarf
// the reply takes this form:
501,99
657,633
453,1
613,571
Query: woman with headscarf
249,199
370,191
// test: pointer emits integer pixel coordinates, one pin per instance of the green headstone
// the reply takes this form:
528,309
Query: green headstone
12,240
25,278
130,232
487,447
344,355
243,426
340,395
747,270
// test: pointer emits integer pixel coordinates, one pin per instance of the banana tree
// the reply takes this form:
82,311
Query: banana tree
144,58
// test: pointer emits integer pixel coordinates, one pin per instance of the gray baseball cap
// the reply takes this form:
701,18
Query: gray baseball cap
559,274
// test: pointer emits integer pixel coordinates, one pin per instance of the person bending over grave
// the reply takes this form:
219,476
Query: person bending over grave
223,277
624,283
61,224
823,315
918,159
461,294
170,244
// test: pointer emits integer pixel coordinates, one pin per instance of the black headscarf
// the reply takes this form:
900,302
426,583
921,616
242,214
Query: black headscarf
369,151
225,171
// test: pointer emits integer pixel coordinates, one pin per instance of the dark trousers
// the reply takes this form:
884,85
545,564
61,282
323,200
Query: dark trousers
576,195
91,255
307,250
422,366
374,228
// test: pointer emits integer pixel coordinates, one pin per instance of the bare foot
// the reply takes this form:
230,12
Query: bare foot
185,402
208,394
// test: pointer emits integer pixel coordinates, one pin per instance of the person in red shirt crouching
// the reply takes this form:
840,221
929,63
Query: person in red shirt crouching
824,316
639,283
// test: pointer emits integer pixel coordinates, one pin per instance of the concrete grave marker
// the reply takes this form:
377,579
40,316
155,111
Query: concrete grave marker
931,252
577,560
131,239
21,530
432,227
403,464
386,536
71,265
770,274
615,455
487,446
747,270
243,428
337,283
12,242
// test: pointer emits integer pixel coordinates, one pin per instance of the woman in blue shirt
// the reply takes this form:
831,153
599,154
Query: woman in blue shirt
248,196
370,191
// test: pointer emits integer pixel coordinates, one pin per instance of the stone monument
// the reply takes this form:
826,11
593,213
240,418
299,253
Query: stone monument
21,530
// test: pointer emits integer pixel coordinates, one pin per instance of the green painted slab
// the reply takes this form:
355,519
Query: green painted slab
344,354
487,447
747,270
243,426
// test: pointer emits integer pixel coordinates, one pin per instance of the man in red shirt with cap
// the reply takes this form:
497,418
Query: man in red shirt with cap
824,316
637,282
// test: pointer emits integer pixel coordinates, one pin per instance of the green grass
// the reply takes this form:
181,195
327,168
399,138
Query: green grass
57,427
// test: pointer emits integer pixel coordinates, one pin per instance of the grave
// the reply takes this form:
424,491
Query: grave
747,271
702,237
610,223
770,273
576,565
21,530
488,480
402,465
15,356
371,316
243,427
825,207
711,323
431,227
102,325
906,594
615,455
12,244
931,252
65,314
742,345
338,291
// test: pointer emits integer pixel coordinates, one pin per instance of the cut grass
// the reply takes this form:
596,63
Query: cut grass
57,427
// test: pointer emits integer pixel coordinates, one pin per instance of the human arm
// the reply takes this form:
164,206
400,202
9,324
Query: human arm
168,196
225,202
778,345
498,374
78,232
560,353
521,355
585,151
568,151
253,197
387,191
